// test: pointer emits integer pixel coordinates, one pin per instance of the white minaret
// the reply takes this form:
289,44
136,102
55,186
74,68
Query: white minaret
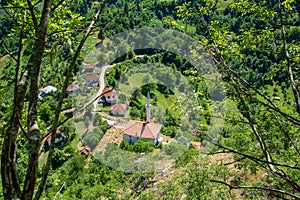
148,109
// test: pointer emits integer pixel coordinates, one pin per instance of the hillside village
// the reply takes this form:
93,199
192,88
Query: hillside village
130,131
139,138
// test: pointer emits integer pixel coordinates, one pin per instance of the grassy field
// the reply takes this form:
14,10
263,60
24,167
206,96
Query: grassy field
162,103
80,127
88,50
135,81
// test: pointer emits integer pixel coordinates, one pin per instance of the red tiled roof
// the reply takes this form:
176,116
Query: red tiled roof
89,66
72,88
195,132
142,129
92,77
196,145
108,92
118,108
86,150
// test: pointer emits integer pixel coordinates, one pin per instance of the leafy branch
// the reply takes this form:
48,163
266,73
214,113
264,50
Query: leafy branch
59,106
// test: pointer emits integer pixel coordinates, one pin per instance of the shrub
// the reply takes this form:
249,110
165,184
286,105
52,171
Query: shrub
92,139
143,146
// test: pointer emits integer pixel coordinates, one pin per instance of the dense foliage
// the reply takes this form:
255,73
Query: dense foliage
256,47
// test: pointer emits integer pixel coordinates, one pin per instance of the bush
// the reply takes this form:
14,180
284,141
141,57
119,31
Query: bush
58,158
69,150
174,149
139,146
170,131
92,139
125,146
143,146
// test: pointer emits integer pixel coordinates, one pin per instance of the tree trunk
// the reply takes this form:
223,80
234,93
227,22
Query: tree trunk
32,168
10,183
58,109
34,66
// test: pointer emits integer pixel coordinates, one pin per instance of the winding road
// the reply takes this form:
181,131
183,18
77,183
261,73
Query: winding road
101,87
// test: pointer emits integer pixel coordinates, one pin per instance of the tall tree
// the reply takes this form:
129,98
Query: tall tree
229,45
37,27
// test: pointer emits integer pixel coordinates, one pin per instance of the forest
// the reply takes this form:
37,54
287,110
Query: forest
222,74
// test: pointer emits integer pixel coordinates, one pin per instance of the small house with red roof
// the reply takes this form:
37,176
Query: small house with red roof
118,109
195,132
89,68
135,130
92,80
73,89
86,150
109,96
196,145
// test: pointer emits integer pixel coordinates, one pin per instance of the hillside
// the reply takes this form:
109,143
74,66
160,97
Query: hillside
164,99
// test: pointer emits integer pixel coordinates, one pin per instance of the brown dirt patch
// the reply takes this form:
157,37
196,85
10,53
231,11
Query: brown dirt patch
112,135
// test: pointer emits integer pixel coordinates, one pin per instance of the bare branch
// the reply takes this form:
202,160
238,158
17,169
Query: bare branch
231,187
254,158
290,118
20,50
57,6
13,7
219,59
286,133
235,161
22,129
33,17
257,134
289,65
9,53
34,5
